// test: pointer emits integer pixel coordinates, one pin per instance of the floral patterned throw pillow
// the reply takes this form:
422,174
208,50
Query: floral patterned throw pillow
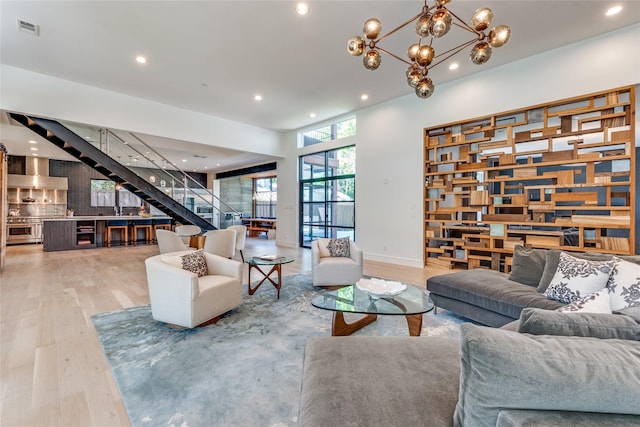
339,247
624,285
195,262
575,278
598,302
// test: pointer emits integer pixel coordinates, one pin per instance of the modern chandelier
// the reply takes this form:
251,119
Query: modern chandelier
432,22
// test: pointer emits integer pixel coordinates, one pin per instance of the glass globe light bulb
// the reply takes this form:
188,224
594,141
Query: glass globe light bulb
414,75
425,55
412,52
372,60
481,18
440,23
422,25
424,88
480,53
499,36
355,46
372,28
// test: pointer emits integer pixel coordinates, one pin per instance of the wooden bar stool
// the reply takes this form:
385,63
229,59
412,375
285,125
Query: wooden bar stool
120,225
141,224
162,224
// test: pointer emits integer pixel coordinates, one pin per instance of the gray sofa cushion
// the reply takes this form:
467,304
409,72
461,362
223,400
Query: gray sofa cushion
490,290
527,265
606,326
499,370
379,381
520,418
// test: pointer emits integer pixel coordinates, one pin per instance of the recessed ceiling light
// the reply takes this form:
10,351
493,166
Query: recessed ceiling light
141,59
312,115
184,160
454,66
613,10
33,149
206,167
87,137
31,141
34,154
364,96
302,8
217,164
258,97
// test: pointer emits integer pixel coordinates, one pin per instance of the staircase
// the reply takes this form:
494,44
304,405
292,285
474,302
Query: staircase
78,147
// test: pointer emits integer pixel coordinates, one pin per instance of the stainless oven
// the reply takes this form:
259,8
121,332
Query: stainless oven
24,230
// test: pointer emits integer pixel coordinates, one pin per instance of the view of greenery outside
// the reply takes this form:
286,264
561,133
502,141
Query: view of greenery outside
330,132
347,166
103,192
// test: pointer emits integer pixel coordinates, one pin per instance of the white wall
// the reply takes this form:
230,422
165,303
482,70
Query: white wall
389,168
42,95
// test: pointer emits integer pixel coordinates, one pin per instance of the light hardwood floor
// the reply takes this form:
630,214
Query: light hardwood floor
53,370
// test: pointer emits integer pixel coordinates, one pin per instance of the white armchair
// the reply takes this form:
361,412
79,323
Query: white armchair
180,297
335,271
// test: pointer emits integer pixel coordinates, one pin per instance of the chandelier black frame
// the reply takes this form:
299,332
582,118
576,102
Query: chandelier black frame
434,22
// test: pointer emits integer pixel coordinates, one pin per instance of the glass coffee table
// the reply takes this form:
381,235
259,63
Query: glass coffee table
412,304
273,261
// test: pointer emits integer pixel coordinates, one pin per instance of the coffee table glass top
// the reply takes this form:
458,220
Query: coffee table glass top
270,260
350,299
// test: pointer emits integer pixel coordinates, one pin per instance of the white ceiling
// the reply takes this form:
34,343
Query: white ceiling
214,56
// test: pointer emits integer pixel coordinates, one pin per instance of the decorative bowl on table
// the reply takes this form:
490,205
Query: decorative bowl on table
380,288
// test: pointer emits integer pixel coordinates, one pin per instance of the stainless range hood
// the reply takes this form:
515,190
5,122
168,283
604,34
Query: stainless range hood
37,177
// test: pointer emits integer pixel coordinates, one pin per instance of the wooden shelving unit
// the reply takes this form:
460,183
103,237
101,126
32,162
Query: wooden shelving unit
557,175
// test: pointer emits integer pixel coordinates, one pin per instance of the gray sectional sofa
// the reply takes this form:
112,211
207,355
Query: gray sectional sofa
536,376
495,299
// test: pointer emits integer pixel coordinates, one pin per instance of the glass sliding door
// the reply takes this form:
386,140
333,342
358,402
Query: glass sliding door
327,194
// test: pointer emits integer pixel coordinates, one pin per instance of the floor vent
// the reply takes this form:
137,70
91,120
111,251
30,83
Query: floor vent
28,27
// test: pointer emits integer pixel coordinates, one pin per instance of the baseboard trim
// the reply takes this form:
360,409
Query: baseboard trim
408,262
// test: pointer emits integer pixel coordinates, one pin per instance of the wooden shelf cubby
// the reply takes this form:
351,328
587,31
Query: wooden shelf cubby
556,175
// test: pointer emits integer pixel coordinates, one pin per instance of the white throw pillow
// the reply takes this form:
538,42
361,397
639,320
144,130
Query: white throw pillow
576,278
598,302
624,285
323,245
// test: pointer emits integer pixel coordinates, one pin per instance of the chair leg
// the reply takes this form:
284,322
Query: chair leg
241,255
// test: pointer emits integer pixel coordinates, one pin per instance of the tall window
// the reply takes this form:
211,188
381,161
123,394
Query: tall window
327,194
265,196
330,132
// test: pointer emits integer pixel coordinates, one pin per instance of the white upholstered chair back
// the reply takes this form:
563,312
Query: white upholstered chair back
241,237
168,241
220,242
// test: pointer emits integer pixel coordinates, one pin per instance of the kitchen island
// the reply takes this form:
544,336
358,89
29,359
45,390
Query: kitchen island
82,232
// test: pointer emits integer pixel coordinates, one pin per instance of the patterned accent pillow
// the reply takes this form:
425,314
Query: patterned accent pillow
195,262
576,278
624,285
598,302
339,247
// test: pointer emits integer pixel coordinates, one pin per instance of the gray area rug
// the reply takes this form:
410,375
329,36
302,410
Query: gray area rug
245,370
